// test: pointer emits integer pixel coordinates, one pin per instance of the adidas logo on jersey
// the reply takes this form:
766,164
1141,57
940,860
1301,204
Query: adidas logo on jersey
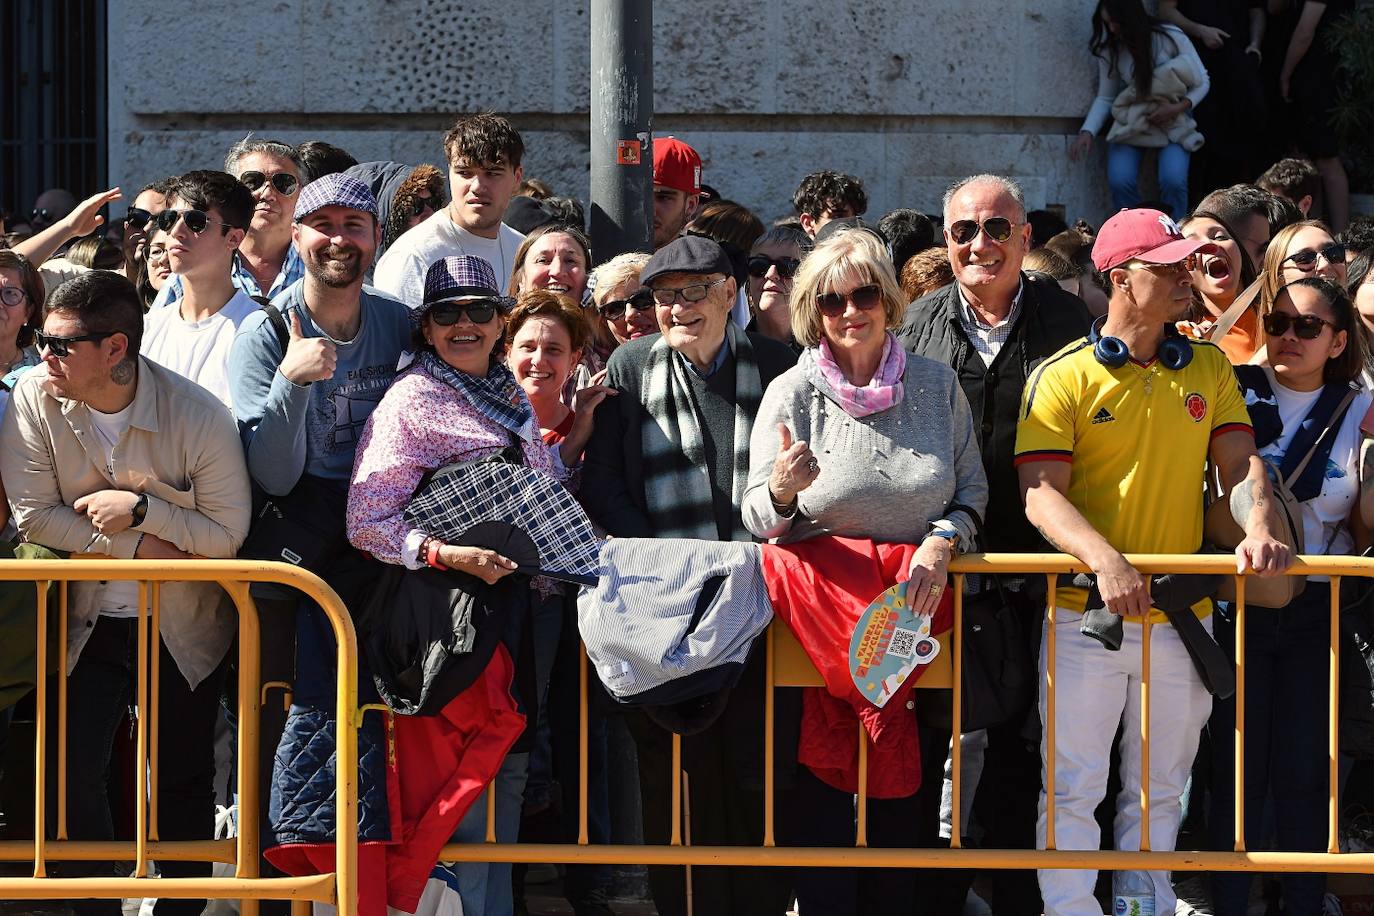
1103,416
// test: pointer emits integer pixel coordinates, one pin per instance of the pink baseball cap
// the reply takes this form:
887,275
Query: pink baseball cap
1143,235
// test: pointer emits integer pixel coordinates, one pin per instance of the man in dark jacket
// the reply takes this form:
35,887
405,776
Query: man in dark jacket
993,325
687,400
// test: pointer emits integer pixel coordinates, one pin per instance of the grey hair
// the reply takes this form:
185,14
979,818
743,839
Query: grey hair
785,235
614,272
272,147
1010,187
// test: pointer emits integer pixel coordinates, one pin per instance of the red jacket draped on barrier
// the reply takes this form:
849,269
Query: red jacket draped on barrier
442,763
821,587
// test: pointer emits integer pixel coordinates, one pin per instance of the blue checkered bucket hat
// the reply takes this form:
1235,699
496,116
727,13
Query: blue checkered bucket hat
462,276
337,190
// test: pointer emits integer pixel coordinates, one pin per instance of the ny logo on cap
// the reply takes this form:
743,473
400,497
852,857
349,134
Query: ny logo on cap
1170,226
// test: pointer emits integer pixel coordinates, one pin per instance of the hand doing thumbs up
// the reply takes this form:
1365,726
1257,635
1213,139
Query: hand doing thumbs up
794,469
307,359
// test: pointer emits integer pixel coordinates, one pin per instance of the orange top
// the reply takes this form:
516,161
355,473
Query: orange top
1240,343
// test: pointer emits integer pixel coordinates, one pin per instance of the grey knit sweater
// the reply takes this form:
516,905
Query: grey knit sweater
886,476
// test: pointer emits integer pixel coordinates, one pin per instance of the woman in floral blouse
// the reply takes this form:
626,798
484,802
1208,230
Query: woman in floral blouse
456,402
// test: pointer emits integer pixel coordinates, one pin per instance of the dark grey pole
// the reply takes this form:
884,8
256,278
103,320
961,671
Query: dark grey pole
620,219
622,107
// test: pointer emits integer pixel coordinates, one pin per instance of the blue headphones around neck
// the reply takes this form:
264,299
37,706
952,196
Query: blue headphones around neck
1175,351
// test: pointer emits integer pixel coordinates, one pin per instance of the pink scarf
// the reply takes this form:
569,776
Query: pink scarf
884,390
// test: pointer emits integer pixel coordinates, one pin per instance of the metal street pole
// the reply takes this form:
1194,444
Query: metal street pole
622,107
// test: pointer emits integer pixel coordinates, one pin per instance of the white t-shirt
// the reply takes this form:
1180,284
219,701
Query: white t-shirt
401,271
1324,528
198,350
117,599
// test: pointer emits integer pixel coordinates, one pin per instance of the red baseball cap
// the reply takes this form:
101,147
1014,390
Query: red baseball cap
676,165
1142,235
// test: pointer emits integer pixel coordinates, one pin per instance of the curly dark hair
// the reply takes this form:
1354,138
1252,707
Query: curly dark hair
832,191
484,139
425,178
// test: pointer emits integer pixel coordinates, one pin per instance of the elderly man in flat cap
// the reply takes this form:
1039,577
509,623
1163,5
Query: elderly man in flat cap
669,458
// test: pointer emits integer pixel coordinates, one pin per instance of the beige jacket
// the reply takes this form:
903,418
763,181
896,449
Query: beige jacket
182,449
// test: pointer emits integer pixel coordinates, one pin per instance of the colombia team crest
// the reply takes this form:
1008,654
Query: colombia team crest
1197,406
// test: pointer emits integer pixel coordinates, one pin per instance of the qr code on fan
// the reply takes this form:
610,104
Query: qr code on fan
903,643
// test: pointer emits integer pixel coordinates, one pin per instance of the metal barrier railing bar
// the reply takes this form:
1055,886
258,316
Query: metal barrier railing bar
786,667
234,576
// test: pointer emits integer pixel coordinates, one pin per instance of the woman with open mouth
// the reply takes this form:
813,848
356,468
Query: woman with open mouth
1219,277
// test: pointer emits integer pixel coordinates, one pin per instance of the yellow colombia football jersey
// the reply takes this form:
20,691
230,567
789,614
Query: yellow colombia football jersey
1137,438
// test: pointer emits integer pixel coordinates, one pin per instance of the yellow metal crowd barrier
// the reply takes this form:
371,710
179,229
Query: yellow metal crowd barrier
787,666
235,577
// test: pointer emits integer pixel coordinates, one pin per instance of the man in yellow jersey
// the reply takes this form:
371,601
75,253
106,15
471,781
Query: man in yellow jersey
1114,434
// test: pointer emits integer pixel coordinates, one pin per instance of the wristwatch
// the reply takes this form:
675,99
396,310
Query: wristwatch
140,510
948,534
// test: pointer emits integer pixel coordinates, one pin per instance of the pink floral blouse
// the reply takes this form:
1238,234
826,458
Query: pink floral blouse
420,425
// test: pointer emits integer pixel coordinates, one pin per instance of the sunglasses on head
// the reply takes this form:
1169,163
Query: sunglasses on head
1307,258
284,182
479,311
196,221
759,264
1306,327
137,217
864,298
615,308
997,228
12,295
61,346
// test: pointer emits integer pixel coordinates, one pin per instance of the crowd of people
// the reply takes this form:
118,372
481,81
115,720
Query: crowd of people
279,359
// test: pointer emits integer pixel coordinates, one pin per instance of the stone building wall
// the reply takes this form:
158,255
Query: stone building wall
906,95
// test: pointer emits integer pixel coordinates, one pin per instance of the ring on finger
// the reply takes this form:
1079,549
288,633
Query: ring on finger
813,466
934,588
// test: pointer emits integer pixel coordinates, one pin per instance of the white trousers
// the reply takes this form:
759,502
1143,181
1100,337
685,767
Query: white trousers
1095,691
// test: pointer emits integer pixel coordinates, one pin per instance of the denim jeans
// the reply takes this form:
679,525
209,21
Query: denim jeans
547,620
99,690
1286,654
485,887
1123,175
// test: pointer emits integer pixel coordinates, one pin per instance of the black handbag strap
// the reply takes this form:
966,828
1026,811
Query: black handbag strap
1317,428
278,322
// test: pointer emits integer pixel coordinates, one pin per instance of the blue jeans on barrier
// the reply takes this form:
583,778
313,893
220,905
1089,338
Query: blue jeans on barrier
1123,175
1286,654
485,887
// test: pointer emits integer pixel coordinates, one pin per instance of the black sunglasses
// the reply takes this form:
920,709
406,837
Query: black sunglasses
479,311
12,295
196,221
432,204
61,346
137,217
759,264
997,228
1307,258
615,308
1307,327
864,298
284,182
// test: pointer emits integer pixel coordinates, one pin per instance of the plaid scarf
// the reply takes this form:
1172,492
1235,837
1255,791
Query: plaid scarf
677,481
497,395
